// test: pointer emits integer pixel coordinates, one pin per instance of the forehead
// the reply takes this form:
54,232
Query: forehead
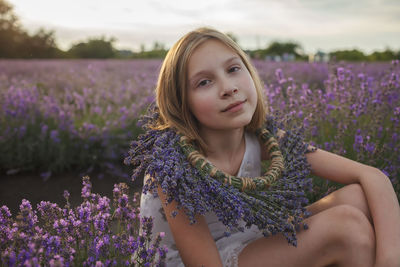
209,54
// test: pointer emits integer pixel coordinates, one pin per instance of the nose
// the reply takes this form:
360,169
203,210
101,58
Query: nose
228,89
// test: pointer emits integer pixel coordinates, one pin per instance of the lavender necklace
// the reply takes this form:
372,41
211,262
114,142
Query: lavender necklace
274,202
242,183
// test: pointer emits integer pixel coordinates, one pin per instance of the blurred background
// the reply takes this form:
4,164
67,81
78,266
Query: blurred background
356,30
75,76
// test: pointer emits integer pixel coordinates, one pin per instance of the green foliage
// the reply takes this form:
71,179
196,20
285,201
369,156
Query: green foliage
94,48
279,49
158,51
348,55
40,45
385,55
10,32
16,43
356,55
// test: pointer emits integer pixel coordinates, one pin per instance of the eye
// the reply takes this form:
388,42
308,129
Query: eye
234,69
203,83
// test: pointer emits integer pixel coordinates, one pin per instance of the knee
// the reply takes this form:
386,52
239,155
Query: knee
356,197
355,189
354,231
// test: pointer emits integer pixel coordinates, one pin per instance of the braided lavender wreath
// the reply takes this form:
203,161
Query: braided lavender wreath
274,202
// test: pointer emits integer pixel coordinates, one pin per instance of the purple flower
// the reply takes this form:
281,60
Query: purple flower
22,131
358,139
87,187
66,194
279,76
340,74
44,129
54,136
370,147
329,108
5,215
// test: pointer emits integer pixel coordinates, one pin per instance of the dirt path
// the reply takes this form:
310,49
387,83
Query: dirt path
14,188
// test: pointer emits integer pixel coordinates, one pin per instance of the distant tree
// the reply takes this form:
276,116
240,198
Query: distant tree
124,53
11,35
41,45
158,46
279,49
158,51
94,48
348,55
16,43
142,48
8,20
386,55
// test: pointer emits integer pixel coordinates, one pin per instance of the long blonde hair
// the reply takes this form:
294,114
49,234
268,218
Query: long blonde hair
171,90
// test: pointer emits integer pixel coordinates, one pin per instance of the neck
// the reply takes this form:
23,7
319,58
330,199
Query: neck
224,144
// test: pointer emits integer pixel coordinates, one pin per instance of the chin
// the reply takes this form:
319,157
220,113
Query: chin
242,123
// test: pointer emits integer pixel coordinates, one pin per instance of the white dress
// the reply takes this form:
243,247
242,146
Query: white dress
229,247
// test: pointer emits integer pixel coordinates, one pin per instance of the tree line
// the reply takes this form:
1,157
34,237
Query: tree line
15,42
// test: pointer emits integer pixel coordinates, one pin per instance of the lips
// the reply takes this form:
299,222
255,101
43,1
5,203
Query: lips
233,105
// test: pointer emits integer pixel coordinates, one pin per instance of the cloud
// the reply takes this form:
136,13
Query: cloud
364,23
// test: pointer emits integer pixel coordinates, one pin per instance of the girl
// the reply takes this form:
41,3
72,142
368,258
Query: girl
201,156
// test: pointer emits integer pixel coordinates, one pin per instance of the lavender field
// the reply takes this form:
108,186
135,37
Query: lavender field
61,115
57,116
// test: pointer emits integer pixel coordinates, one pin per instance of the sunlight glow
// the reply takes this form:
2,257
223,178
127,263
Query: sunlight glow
326,23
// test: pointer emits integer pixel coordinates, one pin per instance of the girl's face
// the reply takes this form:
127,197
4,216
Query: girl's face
221,91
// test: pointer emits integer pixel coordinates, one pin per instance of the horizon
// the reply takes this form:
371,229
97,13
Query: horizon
371,25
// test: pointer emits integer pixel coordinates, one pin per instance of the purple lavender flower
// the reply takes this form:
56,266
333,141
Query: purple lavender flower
76,236
54,136
340,74
66,195
370,147
358,139
44,129
87,187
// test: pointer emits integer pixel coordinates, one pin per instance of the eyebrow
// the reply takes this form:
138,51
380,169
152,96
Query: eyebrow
191,79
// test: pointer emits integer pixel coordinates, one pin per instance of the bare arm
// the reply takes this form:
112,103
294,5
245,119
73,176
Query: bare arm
380,195
195,244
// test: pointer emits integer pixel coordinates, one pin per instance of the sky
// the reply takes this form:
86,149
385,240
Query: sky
325,25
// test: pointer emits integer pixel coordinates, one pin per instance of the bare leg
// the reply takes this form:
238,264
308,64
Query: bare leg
339,236
352,195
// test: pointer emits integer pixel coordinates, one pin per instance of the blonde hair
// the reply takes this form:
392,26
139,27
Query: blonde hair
171,90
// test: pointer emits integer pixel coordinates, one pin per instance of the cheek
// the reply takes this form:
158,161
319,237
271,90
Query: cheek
251,89
200,105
